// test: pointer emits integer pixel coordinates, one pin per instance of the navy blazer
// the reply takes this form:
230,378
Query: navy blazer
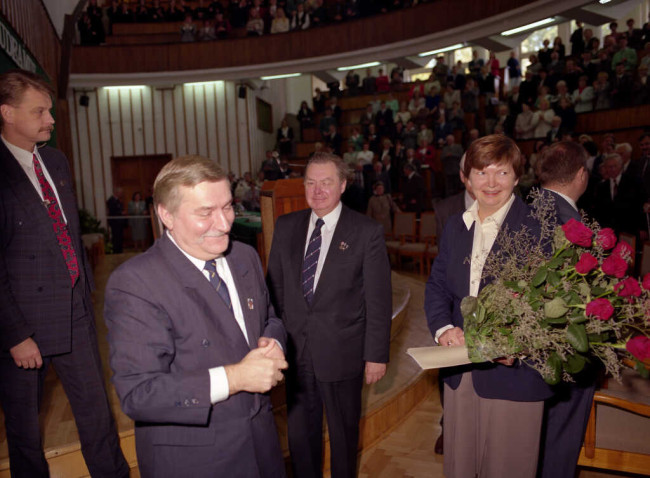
348,322
446,287
35,289
563,210
167,326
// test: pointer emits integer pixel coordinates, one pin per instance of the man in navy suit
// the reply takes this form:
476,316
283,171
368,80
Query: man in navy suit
562,171
330,281
194,341
46,311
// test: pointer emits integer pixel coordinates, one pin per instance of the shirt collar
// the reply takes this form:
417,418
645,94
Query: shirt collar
23,156
198,263
471,215
330,219
571,202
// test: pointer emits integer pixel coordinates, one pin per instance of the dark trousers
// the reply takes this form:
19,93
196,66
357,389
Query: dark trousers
565,421
306,397
80,373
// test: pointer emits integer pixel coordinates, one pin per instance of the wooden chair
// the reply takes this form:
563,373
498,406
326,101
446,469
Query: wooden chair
404,227
645,259
426,243
618,430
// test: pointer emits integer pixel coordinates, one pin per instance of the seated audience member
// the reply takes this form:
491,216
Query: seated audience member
300,19
334,140
456,117
602,90
414,190
381,207
625,55
207,32
583,96
188,30
450,96
373,138
392,103
562,92
356,139
432,104
325,123
255,23
366,155
410,135
396,77
319,13
410,158
555,133
403,115
280,23
542,119
425,154
457,77
221,26
350,156
384,120
504,122
442,130
571,75
378,173
382,82
619,198
425,134
469,98
417,104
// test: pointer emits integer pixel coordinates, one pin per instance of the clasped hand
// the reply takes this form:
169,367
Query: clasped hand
259,371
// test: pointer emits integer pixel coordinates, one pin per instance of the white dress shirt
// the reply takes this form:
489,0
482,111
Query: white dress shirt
485,233
327,231
219,388
26,160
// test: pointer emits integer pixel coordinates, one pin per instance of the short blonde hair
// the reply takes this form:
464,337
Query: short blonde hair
185,171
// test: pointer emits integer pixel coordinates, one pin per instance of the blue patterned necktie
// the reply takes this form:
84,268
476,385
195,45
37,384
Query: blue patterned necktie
311,261
218,282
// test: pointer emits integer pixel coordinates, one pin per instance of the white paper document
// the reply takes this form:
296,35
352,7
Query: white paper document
439,357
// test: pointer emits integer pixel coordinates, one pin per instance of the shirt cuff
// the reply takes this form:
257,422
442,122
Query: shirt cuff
441,331
219,388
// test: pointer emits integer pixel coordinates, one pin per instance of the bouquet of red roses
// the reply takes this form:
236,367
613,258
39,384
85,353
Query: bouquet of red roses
564,310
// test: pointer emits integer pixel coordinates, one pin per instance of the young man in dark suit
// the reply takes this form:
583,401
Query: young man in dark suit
562,171
194,340
329,277
46,310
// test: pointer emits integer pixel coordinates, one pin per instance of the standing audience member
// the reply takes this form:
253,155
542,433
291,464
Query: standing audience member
381,207
46,309
114,209
137,207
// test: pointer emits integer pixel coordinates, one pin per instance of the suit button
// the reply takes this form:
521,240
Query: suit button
205,343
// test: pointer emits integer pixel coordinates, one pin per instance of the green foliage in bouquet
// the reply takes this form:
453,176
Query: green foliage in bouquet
564,309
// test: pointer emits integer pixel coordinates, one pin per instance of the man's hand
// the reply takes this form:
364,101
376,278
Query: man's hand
26,354
374,372
275,353
508,362
450,337
258,372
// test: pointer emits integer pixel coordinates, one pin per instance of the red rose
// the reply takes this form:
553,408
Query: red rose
623,250
614,266
639,347
606,238
646,281
628,288
577,233
586,263
602,309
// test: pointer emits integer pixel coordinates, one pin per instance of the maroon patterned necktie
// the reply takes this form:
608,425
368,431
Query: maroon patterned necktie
59,225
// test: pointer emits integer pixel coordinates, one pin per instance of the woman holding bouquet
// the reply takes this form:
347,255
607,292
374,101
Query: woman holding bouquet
493,411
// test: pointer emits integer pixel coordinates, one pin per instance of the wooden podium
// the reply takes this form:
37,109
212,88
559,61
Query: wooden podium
277,198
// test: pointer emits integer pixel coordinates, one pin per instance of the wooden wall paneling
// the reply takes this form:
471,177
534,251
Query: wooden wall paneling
206,130
103,187
229,127
94,161
177,115
217,129
131,96
238,130
153,119
197,120
183,117
120,119
143,128
74,125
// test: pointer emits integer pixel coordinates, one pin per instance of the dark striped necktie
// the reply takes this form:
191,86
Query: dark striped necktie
218,282
311,262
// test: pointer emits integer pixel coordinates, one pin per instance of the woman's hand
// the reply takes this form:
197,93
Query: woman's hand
450,337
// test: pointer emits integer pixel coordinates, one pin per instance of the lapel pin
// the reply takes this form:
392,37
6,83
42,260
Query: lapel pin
251,304
343,246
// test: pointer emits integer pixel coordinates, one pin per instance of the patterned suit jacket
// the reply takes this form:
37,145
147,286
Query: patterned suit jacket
35,290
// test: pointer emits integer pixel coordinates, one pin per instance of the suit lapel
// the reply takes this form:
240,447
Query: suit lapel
241,275
217,314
